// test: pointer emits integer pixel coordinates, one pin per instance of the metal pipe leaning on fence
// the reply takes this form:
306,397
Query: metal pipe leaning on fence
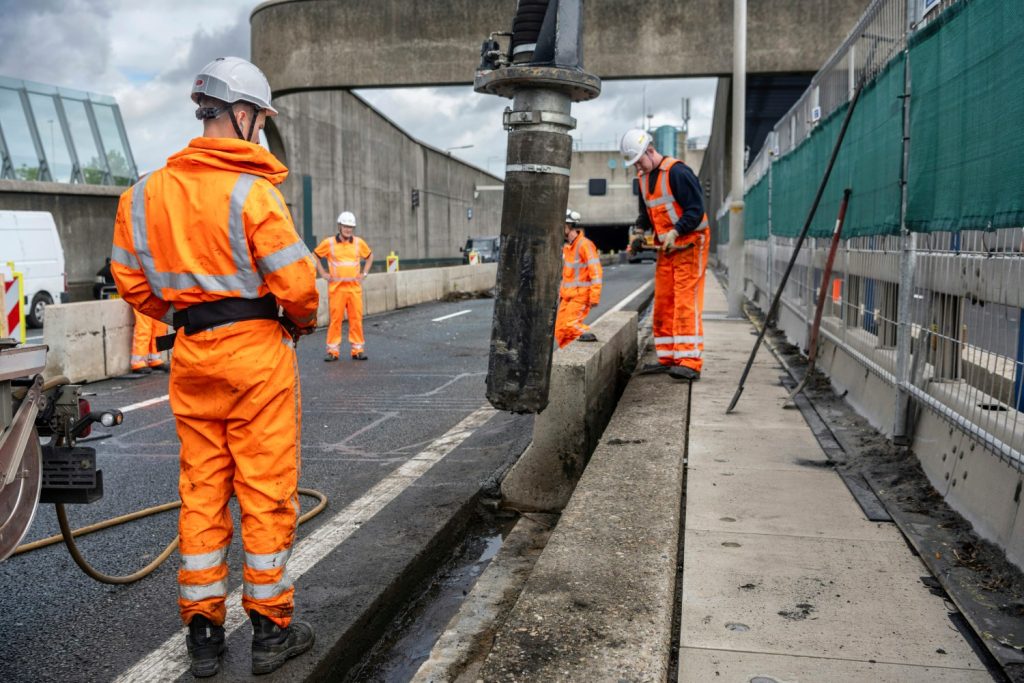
799,243
826,275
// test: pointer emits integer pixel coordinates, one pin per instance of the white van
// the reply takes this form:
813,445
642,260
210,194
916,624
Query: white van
30,240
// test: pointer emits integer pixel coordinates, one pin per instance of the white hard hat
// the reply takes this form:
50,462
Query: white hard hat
634,143
232,79
347,218
572,217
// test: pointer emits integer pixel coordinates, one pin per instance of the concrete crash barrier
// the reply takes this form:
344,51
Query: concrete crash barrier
598,605
90,340
387,291
586,381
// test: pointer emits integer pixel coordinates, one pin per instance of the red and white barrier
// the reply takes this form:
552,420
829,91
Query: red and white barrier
14,309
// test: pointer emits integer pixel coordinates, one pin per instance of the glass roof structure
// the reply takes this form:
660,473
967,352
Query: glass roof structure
61,135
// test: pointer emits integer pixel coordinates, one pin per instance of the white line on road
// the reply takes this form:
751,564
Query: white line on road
619,306
451,315
170,660
145,404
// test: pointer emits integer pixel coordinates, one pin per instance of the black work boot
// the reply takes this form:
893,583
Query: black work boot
683,373
205,643
588,337
272,645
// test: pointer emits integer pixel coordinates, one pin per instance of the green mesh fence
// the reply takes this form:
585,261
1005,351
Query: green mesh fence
868,163
967,119
966,138
755,212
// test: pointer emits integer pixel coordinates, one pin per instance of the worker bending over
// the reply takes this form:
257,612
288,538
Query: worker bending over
581,284
209,234
145,356
344,252
671,204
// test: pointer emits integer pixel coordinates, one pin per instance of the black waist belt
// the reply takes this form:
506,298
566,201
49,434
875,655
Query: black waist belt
199,317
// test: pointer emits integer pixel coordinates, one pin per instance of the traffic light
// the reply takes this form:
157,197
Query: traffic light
415,198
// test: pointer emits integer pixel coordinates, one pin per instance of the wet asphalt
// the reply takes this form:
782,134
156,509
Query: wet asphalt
361,421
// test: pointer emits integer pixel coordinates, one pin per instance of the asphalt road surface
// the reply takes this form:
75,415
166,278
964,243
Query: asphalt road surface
387,440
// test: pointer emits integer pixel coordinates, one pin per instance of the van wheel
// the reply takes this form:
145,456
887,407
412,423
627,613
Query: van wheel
37,310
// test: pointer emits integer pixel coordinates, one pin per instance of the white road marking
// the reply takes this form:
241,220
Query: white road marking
619,306
145,404
170,660
451,315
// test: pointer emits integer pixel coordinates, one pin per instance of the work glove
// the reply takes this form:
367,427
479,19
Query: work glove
668,240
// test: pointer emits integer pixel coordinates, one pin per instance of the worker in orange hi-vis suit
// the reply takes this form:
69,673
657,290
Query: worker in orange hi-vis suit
581,284
344,253
209,234
145,356
672,204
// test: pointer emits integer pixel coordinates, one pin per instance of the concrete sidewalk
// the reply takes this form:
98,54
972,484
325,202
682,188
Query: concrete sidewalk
783,576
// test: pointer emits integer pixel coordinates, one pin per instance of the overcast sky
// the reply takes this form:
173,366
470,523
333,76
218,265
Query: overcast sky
145,52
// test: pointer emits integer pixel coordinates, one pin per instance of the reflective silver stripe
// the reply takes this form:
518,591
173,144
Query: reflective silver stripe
141,237
268,560
282,257
138,359
596,281
593,261
664,354
217,589
124,257
334,347
664,340
672,215
239,243
266,591
280,204
343,263
689,340
688,354
193,562
343,279
537,168
578,285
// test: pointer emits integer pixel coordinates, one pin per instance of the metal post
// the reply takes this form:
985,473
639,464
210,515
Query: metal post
908,261
739,107
772,141
307,212
543,78
1018,381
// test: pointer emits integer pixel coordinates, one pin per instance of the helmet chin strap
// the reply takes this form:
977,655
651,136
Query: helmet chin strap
252,121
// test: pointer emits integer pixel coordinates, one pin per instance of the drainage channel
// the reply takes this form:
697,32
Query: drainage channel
412,634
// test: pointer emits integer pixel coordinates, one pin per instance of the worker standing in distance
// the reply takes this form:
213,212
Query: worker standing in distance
581,284
343,252
145,356
671,204
210,236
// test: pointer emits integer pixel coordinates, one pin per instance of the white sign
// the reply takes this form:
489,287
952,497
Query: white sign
816,114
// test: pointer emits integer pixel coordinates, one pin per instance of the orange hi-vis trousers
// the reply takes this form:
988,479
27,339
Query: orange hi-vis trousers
345,299
144,353
235,396
679,302
569,323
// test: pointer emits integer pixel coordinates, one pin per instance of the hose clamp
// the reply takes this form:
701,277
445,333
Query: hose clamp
537,168
513,119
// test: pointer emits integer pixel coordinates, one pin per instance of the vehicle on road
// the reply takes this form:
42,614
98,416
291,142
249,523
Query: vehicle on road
29,240
487,249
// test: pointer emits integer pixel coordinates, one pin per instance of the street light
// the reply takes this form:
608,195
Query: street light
449,149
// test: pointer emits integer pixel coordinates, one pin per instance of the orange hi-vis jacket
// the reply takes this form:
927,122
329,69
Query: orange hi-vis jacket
581,271
662,207
343,258
176,252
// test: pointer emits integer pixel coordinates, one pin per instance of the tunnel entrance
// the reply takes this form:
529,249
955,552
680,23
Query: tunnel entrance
608,237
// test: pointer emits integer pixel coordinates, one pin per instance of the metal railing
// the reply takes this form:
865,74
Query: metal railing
939,316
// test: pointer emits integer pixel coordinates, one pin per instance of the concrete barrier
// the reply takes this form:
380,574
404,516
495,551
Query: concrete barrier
586,381
88,341
598,604
92,340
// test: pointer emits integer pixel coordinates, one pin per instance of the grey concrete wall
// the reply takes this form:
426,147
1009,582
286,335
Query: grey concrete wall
353,43
619,206
84,215
362,162
714,169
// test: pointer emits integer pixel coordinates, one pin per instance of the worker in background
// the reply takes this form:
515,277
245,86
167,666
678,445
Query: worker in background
145,356
581,284
671,203
209,234
344,252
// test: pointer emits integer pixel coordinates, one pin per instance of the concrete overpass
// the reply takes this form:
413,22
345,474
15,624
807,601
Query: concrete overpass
332,44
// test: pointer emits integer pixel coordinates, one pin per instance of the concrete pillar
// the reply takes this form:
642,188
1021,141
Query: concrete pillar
739,107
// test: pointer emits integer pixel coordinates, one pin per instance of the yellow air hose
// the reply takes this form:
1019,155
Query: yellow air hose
68,536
